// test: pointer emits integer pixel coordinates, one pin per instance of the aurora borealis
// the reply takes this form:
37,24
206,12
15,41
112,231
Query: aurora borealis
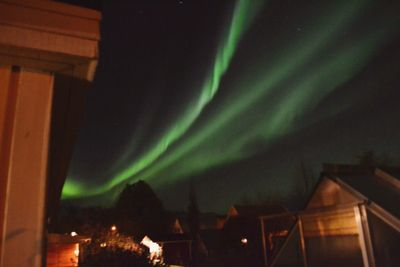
234,95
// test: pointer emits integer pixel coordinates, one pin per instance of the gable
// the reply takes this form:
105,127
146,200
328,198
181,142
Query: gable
329,193
232,212
176,227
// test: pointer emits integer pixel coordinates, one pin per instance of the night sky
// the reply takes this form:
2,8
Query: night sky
235,97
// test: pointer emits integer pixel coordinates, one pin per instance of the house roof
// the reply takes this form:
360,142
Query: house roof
66,239
211,221
255,210
208,220
376,190
170,238
394,173
211,238
375,186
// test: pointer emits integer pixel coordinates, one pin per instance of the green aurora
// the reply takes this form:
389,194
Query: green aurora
294,80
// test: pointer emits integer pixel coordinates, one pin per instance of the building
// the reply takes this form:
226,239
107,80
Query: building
241,236
176,249
48,56
64,250
351,219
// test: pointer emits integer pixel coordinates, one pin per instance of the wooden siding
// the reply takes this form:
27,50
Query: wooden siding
340,222
62,255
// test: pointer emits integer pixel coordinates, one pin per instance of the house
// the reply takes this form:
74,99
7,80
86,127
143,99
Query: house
176,226
351,219
176,248
64,250
48,56
208,241
251,211
242,236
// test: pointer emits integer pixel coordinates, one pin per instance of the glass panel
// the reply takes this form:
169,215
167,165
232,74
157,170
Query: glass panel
276,231
385,240
331,239
333,251
290,255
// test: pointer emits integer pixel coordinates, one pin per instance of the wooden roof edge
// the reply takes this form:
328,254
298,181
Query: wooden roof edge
58,7
55,238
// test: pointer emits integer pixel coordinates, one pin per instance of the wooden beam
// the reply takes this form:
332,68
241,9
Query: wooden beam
25,167
49,36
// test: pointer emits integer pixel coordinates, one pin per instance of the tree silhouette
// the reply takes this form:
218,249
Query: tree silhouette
193,218
370,159
307,178
193,213
140,212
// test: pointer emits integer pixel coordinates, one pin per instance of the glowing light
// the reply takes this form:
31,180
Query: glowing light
103,245
113,228
74,233
76,251
243,241
154,249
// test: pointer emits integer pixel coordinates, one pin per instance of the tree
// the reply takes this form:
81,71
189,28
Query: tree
193,214
307,178
199,252
140,212
370,159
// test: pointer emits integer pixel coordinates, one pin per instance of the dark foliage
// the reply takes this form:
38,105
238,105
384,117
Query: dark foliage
193,214
370,159
199,253
139,212
115,258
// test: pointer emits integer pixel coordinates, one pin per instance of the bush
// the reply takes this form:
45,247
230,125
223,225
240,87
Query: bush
115,258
